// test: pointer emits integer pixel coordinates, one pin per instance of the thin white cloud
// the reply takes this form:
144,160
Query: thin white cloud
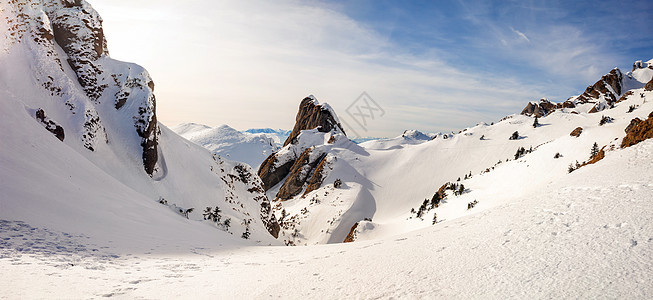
520,34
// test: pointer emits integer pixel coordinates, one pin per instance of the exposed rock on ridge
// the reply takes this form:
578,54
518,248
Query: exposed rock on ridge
312,115
638,131
300,161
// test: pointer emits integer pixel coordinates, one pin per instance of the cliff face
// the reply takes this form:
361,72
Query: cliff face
295,164
104,111
76,27
312,115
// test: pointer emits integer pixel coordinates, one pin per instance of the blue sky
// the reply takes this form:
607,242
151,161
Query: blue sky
431,65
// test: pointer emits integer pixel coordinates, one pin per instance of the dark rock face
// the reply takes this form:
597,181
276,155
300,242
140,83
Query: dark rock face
149,142
78,32
638,131
541,109
609,86
272,174
352,234
566,104
318,177
576,132
50,125
299,173
310,116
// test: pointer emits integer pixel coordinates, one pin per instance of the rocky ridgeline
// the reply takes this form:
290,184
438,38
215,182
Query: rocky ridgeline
603,94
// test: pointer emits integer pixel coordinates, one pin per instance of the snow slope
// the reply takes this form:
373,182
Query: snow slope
91,188
383,180
227,142
114,167
584,235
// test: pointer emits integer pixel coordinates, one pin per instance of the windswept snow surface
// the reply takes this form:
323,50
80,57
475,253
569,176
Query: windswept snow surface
585,235
250,148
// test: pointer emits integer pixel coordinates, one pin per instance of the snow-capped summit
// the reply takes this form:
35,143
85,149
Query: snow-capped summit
230,143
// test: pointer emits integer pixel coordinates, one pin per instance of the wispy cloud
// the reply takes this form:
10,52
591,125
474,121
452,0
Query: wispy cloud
248,64
520,34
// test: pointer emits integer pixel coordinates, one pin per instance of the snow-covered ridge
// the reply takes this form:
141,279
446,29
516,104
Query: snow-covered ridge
250,148
380,182
94,121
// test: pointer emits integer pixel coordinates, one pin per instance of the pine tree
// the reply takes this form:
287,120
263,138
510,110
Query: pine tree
461,190
435,201
284,214
207,213
216,214
595,150
435,218
514,136
246,233
536,122
227,223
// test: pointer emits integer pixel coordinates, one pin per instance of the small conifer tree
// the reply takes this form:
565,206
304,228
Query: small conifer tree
595,150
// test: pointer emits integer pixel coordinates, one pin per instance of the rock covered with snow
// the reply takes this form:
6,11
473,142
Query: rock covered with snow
603,94
539,109
315,124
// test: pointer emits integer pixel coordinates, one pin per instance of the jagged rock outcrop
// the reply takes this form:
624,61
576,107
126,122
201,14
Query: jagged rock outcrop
78,31
638,131
296,162
318,175
272,172
300,173
312,115
539,109
603,94
50,125
609,86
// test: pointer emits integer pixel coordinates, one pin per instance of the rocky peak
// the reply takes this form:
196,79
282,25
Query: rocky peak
641,65
312,115
295,164
609,86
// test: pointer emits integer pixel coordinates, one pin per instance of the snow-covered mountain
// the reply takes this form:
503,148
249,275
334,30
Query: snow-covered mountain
250,148
278,135
327,189
82,149
99,199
